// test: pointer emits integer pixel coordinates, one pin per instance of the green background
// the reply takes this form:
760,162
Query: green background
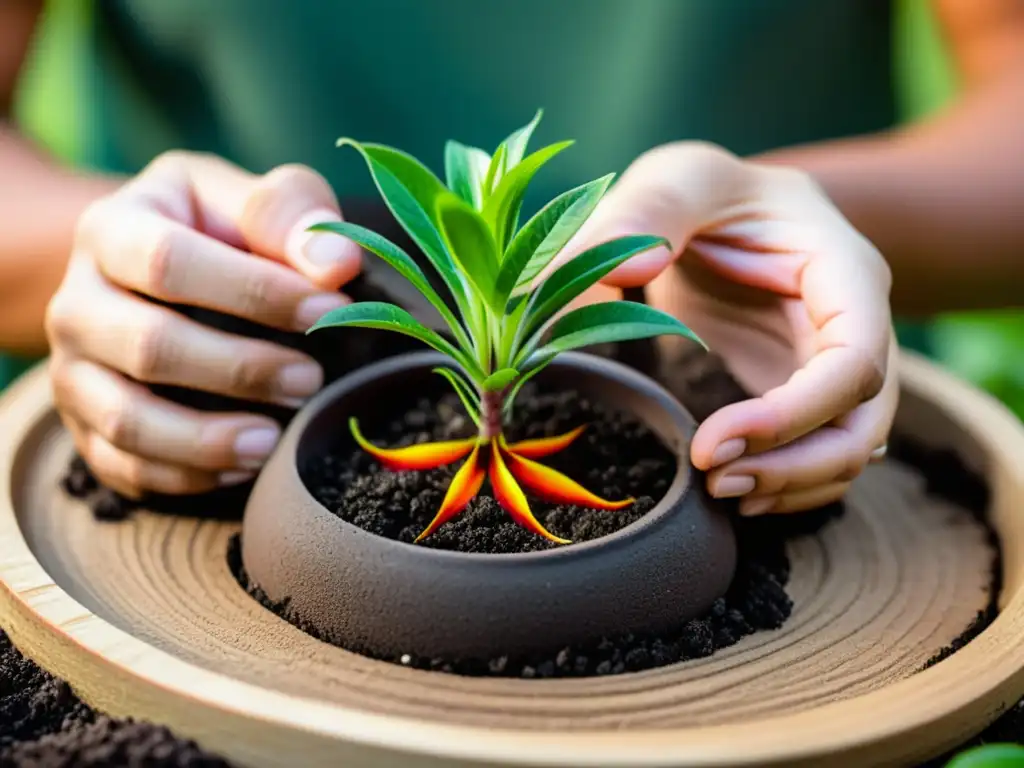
986,348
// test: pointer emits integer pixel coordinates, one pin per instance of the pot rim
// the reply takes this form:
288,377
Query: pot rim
680,486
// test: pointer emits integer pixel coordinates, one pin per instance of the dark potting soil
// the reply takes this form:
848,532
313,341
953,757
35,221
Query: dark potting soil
43,724
615,457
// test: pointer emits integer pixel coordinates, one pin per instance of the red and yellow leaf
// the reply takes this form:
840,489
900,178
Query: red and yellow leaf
464,486
540,447
552,486
511,497
413,457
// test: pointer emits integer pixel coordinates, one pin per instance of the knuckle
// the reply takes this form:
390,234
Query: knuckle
248,375
867,377
294,176
60,380
159,262
92,221
148,349
260,295
60,321
174,160
119,423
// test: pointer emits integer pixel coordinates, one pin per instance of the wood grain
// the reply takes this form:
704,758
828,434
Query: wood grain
143,618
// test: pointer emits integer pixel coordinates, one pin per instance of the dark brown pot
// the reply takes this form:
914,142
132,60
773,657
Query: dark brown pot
390,598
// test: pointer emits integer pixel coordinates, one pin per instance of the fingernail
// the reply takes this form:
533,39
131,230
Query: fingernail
755,507
734,485
315,307
728,451
299,381
321,249
235,478
254,446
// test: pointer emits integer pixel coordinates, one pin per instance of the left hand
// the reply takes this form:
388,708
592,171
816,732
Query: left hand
768,272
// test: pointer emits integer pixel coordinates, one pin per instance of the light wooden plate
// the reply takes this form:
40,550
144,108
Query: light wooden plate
144,619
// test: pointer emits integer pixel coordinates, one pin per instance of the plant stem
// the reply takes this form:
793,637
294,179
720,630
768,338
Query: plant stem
491,404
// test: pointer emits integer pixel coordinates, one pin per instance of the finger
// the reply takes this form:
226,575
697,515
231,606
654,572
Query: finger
131,418
143,251
834,382
829,454
156,345
268,214
794,501
672,192
132,476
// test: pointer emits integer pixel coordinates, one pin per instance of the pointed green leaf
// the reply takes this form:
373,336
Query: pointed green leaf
502,208
517,143
400,261
609,322
498,380
495,170
469,240
575,276
388,317
465,169
411,191
510,398
469,398
547,233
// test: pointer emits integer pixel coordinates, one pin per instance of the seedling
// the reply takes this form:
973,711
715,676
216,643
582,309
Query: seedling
505,318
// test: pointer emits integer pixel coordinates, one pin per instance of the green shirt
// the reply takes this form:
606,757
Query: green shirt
265,82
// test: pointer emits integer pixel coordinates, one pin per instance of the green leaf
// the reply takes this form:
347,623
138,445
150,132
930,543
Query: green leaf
547,233
388,317
400,261
465,169
515,145
469,398
470,241
608,322
498,380
575,276
411,191
510,398
990,756
495,170
502,208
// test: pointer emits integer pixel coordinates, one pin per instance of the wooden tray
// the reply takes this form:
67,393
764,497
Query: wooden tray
143,618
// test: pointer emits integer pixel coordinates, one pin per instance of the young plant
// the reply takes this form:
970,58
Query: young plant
506,321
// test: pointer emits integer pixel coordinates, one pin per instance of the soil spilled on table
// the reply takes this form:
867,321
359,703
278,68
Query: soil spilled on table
616,457
43,724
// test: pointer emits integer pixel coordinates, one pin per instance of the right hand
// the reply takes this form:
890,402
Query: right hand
195,230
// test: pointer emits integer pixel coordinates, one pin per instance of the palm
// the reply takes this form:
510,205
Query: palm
764,337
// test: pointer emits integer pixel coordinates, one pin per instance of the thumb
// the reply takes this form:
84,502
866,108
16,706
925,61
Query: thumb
674,192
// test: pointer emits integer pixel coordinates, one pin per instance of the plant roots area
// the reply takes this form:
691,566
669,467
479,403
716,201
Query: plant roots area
43,723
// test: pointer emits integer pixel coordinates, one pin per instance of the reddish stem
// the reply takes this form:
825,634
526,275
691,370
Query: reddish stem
490,414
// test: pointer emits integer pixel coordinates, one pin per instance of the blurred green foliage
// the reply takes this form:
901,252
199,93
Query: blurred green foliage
986,348
990,756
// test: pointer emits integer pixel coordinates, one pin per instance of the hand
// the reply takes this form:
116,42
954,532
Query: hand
776,281
192,230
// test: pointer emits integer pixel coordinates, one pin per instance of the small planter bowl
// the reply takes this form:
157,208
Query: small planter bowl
388,598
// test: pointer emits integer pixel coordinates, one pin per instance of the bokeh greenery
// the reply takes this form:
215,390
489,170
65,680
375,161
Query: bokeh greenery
986,348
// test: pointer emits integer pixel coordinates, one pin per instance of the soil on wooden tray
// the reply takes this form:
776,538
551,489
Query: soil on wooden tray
616,457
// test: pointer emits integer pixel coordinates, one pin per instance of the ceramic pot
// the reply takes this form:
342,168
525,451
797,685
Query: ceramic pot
374,594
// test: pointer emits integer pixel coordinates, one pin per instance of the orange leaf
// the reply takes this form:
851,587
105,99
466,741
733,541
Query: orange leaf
464,486
552,486
422,456
540,447
510,496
